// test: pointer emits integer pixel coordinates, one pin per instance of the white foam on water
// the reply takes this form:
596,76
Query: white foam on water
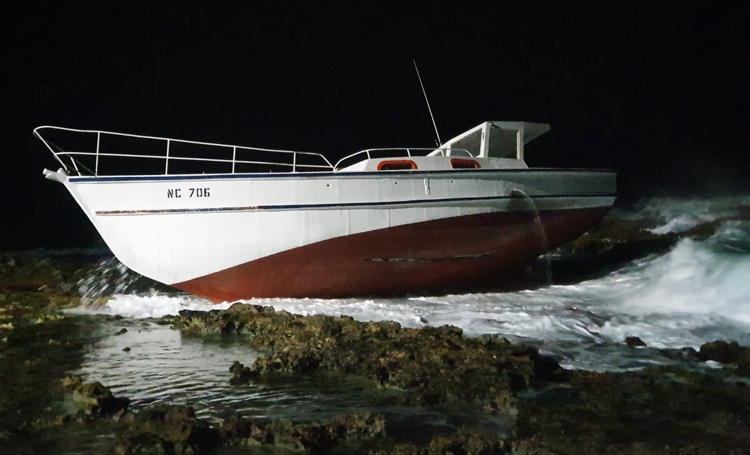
680,223
151,306
694,279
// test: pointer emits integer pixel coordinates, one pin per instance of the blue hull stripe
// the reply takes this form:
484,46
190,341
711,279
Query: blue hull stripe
350,205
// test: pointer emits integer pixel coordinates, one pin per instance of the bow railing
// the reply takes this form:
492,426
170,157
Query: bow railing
94,150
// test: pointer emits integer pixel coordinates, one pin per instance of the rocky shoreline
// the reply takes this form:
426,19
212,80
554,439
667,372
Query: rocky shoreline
537,406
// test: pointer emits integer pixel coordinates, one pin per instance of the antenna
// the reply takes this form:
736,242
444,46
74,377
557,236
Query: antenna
440,143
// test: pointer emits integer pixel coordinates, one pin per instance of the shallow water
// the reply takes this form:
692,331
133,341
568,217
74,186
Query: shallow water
697,292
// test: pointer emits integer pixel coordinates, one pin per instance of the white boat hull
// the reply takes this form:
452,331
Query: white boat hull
332,234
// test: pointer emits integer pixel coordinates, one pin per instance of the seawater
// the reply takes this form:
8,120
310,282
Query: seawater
699,291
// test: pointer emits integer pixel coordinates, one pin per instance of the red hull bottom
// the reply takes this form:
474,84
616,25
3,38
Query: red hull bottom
449,255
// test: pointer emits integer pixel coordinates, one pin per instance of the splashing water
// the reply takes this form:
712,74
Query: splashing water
109,277
680,215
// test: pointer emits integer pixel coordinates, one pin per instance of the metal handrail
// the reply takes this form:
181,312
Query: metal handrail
166,157
185,158
400,150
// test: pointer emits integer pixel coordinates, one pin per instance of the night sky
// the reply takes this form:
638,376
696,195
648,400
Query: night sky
658,91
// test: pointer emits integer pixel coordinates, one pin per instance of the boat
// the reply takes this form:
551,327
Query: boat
228,222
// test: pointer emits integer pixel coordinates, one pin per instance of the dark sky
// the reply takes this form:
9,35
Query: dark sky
658,91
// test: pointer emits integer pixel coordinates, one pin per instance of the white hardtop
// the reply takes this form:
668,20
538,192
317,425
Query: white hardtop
497,139
492,144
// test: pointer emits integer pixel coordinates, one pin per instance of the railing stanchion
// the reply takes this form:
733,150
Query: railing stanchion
234,157
96,164
166,161
294,162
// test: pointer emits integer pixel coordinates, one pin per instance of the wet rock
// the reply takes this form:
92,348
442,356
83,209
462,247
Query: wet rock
679,354
464,442
624,237
320,437
175,429
171,428
324,436
635,342
727,353
469,443
241,374
722,351
106,317
126,349
30,271
239,430
617,413
547,369
94,399
72,382
168,319
121,331
429,366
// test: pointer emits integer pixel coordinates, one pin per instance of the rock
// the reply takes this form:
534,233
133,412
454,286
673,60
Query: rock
430,365
95,399
721,351
239,430
121,331
686,355
318,437
727,353
635,342
547,369
468,443
72,382
106,317
175,429
322,437
626,238
615,412
126,349
241,374
171,428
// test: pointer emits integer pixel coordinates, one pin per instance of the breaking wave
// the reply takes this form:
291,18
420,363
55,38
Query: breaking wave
680,215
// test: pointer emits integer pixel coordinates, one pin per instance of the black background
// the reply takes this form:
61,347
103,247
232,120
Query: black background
656,90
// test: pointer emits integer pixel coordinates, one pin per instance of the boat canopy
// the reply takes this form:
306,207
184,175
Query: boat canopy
498,139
